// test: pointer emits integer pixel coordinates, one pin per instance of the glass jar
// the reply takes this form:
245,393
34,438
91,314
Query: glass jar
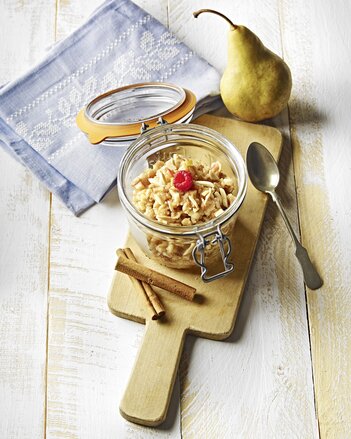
183,246
155,118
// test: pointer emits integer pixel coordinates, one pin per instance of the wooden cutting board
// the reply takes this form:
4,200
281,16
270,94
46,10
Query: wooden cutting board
148,392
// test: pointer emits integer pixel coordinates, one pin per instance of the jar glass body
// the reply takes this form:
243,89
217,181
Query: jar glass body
176,246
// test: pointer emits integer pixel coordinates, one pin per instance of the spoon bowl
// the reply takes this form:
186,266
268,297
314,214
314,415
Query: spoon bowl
262,168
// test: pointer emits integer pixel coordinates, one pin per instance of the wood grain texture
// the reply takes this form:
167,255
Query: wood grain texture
317,45
146,398
90,352
24,231
263,385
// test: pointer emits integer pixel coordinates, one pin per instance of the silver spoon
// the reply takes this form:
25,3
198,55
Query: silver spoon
264,175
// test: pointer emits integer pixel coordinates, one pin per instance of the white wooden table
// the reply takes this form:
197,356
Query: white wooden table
286,370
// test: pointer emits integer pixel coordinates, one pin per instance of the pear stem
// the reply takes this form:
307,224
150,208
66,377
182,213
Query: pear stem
197,13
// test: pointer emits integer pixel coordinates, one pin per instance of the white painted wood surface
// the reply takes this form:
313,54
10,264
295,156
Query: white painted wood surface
90,352
317,44
259,383
262,364
24,245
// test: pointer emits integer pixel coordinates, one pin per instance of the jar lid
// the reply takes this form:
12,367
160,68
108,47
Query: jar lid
120,114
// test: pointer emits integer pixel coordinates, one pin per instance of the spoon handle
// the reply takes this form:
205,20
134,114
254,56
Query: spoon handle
310,274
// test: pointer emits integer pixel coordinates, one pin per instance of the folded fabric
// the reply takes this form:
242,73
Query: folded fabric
120,44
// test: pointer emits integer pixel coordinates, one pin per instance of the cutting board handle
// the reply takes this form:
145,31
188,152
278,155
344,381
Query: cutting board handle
150,386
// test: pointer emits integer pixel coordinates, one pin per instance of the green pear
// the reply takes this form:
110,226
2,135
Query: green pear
256,83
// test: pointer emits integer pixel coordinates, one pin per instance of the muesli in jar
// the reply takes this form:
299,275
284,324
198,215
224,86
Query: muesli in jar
181,192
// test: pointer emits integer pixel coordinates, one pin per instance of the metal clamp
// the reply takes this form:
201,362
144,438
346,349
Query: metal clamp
161,121
144,126
225,249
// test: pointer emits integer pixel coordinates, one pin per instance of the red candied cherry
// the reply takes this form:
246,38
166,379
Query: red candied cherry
183,181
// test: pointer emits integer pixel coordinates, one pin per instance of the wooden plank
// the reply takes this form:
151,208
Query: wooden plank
317,46
90,351
259,383
24,217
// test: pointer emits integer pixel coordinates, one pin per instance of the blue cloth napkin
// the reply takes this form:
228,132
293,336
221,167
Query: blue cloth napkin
120,44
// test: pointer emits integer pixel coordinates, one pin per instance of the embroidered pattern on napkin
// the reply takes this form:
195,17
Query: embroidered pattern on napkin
131,65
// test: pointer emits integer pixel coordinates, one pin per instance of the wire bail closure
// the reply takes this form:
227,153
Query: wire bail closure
145,127
225,249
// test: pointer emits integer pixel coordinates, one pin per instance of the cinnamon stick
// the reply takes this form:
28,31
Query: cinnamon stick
152,296
154,305
152,277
